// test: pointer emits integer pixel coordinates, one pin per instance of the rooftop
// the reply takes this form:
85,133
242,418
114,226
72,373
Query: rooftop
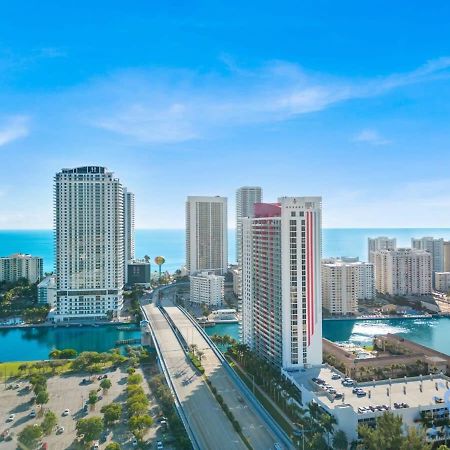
415,392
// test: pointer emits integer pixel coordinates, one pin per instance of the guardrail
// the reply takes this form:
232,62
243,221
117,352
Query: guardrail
281,435
165,370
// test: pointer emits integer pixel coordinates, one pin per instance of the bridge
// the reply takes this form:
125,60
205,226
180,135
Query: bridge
173,330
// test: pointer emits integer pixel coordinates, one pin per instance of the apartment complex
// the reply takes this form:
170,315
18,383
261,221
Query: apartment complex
89,222
379,243
207,289
281,273
20,265
404,271
433,246
446,256
128,229
344,283
442,281
206,234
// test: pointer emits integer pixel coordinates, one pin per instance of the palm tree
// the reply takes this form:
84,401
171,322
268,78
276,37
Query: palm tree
200,354
193,348
340,441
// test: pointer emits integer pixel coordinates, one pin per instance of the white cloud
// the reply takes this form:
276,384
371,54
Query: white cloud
175,106
13,128
370,136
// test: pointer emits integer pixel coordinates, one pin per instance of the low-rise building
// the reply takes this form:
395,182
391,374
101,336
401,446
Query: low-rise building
46,291
413,399
404,271
442,281
139,272
20,265
344,283
207,289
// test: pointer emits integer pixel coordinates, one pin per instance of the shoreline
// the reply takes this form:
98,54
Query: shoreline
393,317
67,325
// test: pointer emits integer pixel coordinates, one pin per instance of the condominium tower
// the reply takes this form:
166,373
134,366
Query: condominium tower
380,243
89,225
433,246
246,197
20,265
206,234
128,229
281,277
345,283
404,271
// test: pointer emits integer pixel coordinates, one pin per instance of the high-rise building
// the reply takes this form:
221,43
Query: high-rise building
345,283
446,256
246,197
281,277
206,234
404,271
435,247
89,225
20,265
442,281
128,229
207,289
380,243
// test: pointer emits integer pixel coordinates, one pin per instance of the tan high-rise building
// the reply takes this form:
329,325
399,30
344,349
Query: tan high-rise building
446,256
206,234
379,243
20,265
404,271
344,284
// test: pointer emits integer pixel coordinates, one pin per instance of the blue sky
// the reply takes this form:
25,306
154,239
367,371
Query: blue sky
348,100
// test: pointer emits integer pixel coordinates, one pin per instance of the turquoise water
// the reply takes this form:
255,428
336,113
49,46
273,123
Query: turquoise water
170,243
33,343
431,332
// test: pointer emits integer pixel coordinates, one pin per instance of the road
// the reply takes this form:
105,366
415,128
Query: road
206,418
254,428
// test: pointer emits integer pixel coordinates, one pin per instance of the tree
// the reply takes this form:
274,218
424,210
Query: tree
340,441
137,408
105,384
111,413
42,397
415,440
113,446
30,435
134,379
200,354
49,422
93,397
140,423
387,434
90,428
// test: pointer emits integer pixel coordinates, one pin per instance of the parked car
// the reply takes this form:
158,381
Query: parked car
60,430
66,412
96,445
335,376
32,413
11,418
159,445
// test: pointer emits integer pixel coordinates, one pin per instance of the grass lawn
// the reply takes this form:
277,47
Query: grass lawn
11,369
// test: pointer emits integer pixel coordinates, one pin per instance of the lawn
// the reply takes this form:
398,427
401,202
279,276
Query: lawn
11,369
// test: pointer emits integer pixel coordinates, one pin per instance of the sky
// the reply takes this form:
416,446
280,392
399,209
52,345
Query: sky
347,100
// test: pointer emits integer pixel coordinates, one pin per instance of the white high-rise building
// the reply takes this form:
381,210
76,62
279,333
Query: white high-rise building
46,291
246,197
206,234
433,246
404,271
344,283
128,229
207,289
281,277
442,281
380,243
89,223
20,265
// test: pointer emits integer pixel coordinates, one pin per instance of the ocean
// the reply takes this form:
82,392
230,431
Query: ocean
170,243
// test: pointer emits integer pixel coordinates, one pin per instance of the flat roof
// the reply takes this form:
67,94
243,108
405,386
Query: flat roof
400,391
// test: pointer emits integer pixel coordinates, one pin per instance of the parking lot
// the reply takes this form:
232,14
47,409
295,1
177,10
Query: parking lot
69,392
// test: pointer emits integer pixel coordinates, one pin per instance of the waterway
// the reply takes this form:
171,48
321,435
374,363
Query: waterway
431,332
35,343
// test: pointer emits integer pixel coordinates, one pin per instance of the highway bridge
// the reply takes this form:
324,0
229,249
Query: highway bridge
173,330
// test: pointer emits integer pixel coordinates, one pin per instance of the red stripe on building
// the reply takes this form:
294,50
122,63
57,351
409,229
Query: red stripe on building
312,274
308,269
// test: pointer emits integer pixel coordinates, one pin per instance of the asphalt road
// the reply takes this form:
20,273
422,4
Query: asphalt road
256,430
206,418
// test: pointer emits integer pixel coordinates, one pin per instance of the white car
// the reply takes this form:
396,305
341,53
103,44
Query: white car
11,418
96,445
60,430
135,442
66,412
159,445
